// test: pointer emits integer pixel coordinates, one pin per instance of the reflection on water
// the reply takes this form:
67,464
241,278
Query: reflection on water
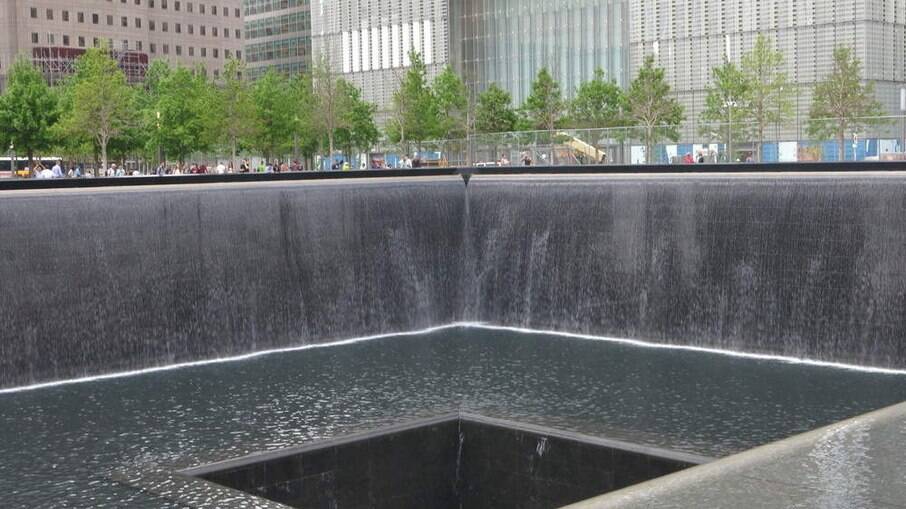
62,446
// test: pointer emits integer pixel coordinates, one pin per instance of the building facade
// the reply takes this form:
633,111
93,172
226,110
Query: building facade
278,35
690,37
508,41
53,33
370,41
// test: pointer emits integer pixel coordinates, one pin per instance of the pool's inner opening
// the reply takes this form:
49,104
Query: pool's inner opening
454,461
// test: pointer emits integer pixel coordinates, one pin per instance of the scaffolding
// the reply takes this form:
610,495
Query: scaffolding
57,63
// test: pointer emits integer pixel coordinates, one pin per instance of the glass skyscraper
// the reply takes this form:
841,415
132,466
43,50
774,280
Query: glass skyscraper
278,35
508,41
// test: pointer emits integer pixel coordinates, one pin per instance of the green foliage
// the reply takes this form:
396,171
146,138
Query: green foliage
494,112
656,113
272,94
28,109
99,104
330,103
359,131
415,112
728,106
599,103
770,94
544,105
452,103
182,101
842,102
305,127
235,123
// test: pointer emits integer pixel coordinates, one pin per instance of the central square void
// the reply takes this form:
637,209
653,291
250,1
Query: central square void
457,461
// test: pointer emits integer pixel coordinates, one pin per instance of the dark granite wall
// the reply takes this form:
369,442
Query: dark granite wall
454,463
97,281
808,267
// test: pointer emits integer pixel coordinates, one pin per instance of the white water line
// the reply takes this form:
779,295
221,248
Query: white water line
463,325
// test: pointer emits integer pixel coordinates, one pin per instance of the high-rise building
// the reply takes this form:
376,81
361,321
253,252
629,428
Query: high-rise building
277,35
53,33
508,41
690,37
370,41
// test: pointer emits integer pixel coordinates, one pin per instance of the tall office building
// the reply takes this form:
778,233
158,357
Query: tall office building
278,35
508,41
53,33
690,37
369,41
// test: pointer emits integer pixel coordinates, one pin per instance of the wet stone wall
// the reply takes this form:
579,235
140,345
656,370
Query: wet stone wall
99,281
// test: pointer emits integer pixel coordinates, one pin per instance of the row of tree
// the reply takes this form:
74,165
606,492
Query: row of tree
178,111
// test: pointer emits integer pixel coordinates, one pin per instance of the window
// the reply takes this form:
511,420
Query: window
213,10
176,7
201,30
236,12
34,38
94,18
50,14
189,6
178,50
226,53
166,49
226,12
201,8
34,12
80,17
125,45
216,53
110,20
237,33
226,33
179,28
214,31
163,5
163,26
65,40
138,45
238,55
153,47
51,39
191,51
66,16
138,22
96,42
191,29
138,2
151,3
124,21
151,25
204,52
81,41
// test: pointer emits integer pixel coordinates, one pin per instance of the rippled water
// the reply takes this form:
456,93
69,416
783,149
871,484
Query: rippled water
66,446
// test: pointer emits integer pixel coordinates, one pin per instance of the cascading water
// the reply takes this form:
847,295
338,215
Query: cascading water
102,281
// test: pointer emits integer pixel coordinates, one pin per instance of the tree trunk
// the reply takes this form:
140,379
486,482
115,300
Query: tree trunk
104,155
233,155
330,147
649,134
841,148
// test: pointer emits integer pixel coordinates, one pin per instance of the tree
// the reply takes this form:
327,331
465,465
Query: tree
770,90
329,113
842,102
599,103
101,103
180,114
728,103
235,121
305,130
544,105
416,116
359,132
657,114
28,109
452,102
272,98
494,112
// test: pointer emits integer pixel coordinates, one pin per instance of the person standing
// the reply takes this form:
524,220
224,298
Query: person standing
57,170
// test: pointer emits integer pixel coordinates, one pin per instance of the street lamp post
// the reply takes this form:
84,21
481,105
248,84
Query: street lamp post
12,161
